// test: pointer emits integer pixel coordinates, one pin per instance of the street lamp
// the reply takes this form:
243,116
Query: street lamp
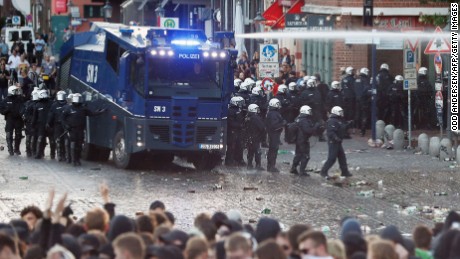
259,22
107,9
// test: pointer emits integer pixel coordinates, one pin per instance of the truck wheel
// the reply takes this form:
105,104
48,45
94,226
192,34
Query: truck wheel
206,162
121,157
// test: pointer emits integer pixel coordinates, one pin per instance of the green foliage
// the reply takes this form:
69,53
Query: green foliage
436,19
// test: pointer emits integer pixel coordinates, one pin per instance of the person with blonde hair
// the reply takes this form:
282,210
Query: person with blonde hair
382,249
336,249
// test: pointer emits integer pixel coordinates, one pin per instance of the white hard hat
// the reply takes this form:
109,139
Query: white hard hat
399,78
337,110
305,78
305,110
259,83
34,95
336,85
244,86
253,108
349,70
282,88
60,96
364,71
423,71
275,103
292,86
385,66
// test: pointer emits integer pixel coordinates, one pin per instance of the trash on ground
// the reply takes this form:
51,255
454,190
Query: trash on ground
96,169
366,194
266,211
259,198
250,189
23,177
440,194
191,191
361,183
252,221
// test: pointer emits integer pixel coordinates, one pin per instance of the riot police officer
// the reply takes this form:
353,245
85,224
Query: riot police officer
234,155
275,124
335,96
384,80
258,97
244,93
336,130
30,131
306,128
365,102
74,121
349,97
55,123
256,132
11,107
250,83
361,83
395,97
236,84
293,109
425,99
40,118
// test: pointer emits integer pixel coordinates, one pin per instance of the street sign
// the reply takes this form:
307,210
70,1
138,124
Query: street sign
169,22
410,84
413,43
270,70
269,53
410,73
16,20
409,59
438,44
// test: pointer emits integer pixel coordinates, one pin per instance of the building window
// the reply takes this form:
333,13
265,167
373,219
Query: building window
93,11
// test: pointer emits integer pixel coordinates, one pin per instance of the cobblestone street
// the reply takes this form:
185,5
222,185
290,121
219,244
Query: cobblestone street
406,180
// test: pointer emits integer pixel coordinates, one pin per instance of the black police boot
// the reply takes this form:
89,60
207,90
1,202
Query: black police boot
52,149
273,169
68,152
346,174
28,145
259,167
33,145
17,144
250,167
40,148
9,143
294,170
59,151
74,154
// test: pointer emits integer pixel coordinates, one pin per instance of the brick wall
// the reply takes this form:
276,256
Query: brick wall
377,3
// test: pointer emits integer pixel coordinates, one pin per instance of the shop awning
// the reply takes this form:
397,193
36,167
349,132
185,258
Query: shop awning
273,14
280,22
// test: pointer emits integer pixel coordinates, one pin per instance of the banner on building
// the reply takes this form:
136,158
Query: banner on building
60,6
311,22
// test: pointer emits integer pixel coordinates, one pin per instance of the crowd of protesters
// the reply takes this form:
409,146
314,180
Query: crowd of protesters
55,232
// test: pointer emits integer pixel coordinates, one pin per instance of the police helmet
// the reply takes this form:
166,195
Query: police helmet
364,71
259,83
237,82
423,71
305,78
237,101
311,83
349,70
385,66
251,83
244,86
275,103
257,90
34,95
292,86
399,78
253,108
43,94
337,110
60,96
305,110
77,98
13,90
336,85
313,78
282,88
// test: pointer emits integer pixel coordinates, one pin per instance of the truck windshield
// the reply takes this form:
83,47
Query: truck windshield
177,77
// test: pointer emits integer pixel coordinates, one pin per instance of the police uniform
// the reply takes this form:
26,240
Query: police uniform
256,134
349,97
275,124
395,97
234,155
55,122
361,83
11,107
336,131
40,118
425,102
384,80
334,98
74,121
306,128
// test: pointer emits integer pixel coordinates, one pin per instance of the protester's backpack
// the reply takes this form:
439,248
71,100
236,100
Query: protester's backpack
291,132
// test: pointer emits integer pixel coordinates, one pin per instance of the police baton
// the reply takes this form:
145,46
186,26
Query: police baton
63,134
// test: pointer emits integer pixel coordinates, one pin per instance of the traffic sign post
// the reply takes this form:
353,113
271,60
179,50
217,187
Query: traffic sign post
410,83
438,45
16,20
269,67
